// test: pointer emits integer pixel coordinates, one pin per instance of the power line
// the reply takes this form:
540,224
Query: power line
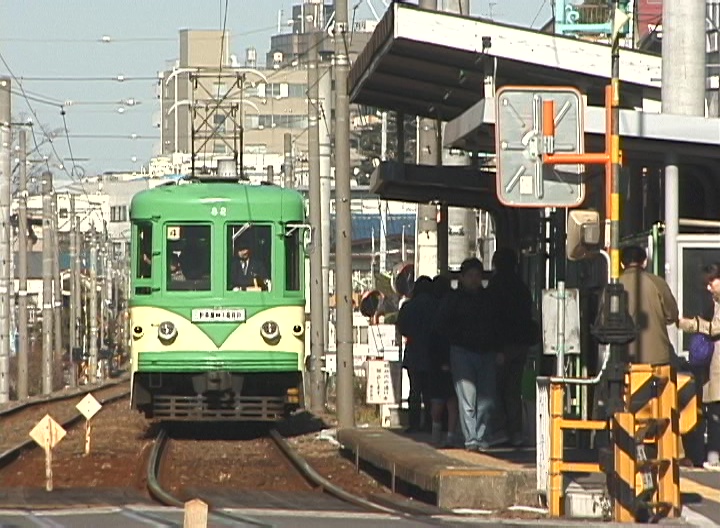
115,78
37,99
37,119
538,13
106,39
67,137
132,137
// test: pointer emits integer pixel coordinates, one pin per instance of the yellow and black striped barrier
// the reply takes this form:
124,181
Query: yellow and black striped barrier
652,401
644,383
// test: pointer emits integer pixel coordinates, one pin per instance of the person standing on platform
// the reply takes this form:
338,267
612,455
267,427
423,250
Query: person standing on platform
652,307
711,390
414,323
467,320
442,391
512,300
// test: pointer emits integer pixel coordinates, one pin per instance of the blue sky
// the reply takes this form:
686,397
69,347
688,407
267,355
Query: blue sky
45,40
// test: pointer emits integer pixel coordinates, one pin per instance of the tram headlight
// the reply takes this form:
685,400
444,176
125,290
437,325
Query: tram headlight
167,332
137,332
298,330
270,332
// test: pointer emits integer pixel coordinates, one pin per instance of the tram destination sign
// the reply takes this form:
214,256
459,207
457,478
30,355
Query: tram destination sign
522,179
218,315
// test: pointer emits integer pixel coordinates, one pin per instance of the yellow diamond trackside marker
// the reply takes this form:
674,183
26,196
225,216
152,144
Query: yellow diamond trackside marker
47,433
88,407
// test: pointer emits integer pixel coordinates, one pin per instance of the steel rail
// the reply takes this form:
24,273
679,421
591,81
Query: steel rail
168,499
313,476
42,400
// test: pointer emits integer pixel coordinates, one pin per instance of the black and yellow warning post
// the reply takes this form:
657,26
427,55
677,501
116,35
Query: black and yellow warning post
640,415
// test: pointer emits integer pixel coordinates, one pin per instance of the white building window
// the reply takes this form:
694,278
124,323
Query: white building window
118,213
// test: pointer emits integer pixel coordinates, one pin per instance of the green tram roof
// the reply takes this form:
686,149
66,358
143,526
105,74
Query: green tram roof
193,201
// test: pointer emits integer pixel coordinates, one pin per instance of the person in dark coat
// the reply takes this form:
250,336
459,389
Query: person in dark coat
247,271
414,323
467,321
513,303
442,390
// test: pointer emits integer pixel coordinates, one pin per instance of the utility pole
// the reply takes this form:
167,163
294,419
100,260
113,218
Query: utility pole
47,273
326,127
77,298
93,311
288,176
343,224
382,204
5,198
103,285
317,340
22,270
73,315
683,92
57,286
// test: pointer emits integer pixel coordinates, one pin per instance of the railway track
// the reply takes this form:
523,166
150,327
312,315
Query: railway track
14,420
276,476
317,482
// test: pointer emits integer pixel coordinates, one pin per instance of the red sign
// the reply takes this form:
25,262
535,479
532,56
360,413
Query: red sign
649,16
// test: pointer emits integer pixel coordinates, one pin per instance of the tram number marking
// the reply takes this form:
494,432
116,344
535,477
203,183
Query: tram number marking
218,211
173,233
211,315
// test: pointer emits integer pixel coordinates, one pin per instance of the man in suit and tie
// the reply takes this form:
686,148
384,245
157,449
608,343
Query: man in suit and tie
247,272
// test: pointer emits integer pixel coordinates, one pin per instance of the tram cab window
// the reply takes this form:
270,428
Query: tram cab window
188,257
249,257
293,260
144,251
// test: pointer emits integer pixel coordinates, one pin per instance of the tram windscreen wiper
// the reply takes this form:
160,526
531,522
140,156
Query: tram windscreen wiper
240,231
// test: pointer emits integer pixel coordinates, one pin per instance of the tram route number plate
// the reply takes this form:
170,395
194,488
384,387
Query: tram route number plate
215,315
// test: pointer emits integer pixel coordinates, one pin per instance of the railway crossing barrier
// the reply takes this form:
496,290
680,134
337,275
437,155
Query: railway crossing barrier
642,471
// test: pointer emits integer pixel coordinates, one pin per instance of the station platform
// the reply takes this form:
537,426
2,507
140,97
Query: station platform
497,479
457,478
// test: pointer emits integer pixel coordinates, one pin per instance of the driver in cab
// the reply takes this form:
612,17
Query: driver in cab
247,273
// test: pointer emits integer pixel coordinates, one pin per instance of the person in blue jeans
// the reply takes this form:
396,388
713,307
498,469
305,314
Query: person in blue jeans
468,321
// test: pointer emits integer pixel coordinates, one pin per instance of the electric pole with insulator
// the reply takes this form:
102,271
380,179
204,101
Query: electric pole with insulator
343,224
47,274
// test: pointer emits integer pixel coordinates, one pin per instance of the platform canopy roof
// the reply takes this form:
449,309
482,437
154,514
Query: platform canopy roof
644,135
433,64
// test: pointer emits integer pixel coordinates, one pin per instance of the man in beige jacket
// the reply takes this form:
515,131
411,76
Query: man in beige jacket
711,390
651,305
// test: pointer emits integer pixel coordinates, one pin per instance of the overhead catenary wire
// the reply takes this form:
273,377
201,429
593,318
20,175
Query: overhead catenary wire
129,40
49,138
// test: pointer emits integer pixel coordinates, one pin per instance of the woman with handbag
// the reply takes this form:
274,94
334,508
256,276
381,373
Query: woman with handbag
705,351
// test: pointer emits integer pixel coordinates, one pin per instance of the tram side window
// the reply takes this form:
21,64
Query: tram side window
249,257
188,257
144,251
292,260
